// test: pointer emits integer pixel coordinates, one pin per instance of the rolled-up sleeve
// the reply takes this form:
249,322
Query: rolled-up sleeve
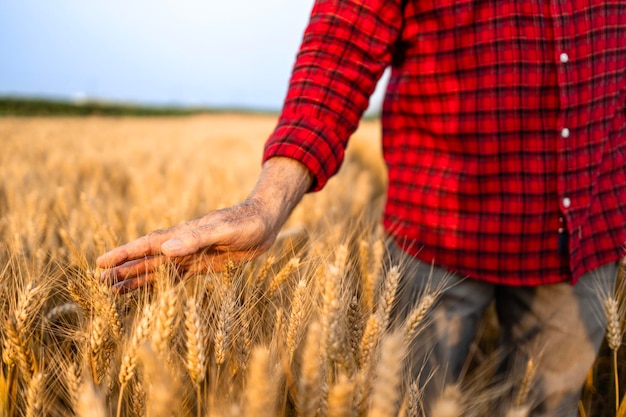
345,49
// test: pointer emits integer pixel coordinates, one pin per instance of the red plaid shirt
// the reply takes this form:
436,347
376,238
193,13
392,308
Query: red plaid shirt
504,126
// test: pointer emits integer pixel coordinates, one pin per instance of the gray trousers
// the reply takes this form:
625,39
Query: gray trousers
560,327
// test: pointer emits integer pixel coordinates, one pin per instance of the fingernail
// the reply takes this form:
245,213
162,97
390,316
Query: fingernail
173,245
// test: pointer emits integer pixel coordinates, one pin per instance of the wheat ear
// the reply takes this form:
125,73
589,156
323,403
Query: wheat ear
415,319
369,342
614,338
224,331
97,341
295,329
164,321
340,398
196,338
386,389
370,272
388,295
413,400
282,275
529,376
311,375
34,396
72,385
90,402
523,411
449,403
163,386
258,393
332,306
129,359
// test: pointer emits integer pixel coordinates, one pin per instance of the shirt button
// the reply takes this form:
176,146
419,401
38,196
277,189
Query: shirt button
563,58
566,202
565,133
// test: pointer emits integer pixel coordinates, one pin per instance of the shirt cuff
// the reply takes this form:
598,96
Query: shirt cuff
306,141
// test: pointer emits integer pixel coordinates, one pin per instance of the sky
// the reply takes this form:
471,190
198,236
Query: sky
216,53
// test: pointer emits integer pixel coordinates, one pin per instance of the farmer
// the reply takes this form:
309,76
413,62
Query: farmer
504,134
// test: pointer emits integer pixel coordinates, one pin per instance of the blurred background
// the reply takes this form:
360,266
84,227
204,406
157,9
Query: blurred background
206,53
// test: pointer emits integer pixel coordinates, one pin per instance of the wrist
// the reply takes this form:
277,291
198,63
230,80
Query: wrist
281,185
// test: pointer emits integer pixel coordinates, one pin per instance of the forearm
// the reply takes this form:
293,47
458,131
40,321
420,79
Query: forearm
281,185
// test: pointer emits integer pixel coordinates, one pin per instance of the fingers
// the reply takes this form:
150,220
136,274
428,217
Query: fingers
132,269
132,284
140,273
139,248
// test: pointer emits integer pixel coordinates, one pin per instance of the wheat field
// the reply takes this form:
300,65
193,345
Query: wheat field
300,331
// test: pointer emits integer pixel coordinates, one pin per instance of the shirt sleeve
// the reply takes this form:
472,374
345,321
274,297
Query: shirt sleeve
345,49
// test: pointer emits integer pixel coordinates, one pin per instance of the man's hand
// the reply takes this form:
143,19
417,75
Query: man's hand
238,233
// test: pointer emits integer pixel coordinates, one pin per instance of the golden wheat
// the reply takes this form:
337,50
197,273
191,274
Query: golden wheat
302,330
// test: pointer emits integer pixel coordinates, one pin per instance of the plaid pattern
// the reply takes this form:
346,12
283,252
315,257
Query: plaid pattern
504,127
